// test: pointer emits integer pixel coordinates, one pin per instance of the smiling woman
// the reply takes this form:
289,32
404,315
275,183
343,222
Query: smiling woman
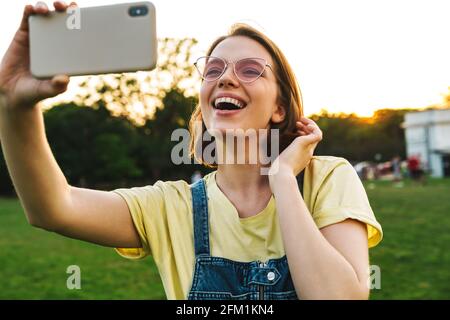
257,236
236,233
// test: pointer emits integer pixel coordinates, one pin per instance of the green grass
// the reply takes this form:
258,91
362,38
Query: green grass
33,265
414,256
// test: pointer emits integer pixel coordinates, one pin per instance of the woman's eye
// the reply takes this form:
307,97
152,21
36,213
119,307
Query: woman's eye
251,71
212,72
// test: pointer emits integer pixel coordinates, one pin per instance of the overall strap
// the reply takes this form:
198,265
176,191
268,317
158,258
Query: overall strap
200,214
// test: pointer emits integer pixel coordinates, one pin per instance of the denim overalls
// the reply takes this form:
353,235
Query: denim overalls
221,278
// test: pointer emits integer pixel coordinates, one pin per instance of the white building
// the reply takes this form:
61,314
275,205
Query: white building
427,134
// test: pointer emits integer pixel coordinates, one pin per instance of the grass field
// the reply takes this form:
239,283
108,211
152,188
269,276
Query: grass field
414,256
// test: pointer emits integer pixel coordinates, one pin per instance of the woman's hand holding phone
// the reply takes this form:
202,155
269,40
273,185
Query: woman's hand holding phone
20,88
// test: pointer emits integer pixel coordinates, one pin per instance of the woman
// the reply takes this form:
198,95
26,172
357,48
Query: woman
235,234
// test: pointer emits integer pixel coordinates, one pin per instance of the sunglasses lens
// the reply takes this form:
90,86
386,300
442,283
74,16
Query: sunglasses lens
249,69
210,68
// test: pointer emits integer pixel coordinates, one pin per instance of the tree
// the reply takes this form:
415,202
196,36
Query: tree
91,147
137,96
360,139
155,151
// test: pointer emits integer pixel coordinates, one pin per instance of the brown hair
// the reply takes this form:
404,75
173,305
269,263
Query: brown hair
289,94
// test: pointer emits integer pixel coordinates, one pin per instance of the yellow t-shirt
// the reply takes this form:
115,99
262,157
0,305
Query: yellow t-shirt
162,215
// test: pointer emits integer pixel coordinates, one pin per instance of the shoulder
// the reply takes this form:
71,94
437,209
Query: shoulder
328,161
336,193
168,190
179,186
160,191
210,178
321,167
329,178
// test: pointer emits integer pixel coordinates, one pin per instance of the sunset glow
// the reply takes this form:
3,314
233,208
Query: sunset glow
349,56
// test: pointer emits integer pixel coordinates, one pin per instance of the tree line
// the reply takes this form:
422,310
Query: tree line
100,142
98,150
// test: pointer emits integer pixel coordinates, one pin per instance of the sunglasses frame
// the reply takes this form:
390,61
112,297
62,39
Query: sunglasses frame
265,64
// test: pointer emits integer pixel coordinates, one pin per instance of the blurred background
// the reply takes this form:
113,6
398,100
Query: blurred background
374,75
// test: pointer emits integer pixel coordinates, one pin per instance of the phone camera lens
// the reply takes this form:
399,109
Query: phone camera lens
138,11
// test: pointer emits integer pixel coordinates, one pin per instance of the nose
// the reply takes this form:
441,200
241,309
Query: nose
228,78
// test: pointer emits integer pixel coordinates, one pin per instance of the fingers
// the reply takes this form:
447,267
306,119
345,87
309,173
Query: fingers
306,121
50,88
60,6
60,80
301,129
41,8
308,127
27,11
304,128
307,124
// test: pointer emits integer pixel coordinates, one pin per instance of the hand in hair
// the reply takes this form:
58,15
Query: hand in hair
298,154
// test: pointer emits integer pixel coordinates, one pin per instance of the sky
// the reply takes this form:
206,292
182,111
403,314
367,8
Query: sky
348,55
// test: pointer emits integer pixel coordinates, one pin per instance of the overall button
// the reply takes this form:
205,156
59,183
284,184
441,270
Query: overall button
271,276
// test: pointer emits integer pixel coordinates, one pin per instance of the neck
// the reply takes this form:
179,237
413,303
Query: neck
241,178
245,187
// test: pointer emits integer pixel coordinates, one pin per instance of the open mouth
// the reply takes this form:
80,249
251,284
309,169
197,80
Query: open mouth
226,103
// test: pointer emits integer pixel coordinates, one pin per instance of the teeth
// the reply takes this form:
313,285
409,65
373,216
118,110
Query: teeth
229,100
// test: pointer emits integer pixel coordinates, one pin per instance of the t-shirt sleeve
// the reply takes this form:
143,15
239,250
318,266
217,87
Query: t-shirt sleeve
147,208
342,196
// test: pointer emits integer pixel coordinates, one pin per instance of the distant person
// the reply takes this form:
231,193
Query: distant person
404,168
235,233
371,172
415,168
397,171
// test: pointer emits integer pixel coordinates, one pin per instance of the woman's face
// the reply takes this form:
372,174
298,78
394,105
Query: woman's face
259,97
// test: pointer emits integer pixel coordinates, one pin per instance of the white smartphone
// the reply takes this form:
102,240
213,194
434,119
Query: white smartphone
94,40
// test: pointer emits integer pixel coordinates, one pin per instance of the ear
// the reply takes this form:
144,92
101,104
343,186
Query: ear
279,114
